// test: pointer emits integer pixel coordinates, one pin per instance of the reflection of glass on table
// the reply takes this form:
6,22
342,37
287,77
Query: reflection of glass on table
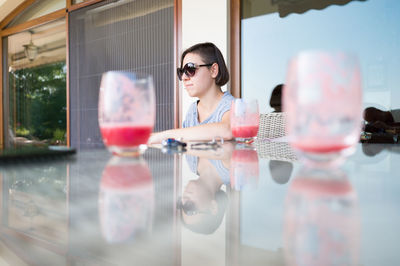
322,223
126,200
244,170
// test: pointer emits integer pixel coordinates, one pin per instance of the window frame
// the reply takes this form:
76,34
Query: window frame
235,54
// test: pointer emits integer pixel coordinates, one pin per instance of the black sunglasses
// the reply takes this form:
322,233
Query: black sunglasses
189,69
189,207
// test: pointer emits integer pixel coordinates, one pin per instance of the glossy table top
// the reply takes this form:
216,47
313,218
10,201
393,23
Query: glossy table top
229,206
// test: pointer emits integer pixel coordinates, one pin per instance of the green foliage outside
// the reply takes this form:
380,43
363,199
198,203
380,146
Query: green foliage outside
38,103
22,132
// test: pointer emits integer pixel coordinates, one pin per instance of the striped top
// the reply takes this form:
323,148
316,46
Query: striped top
192,117
223,172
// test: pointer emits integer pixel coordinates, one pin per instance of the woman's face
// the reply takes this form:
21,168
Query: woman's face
202,199
202,81
197,192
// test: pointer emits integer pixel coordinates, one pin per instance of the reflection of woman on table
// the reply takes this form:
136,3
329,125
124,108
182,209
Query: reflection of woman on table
203,203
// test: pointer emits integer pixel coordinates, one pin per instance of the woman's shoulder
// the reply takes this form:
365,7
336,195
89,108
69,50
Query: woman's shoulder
227,99
223,107
191,116
228,96
193,105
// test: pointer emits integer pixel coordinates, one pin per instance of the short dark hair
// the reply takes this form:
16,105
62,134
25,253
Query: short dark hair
276,97
210,54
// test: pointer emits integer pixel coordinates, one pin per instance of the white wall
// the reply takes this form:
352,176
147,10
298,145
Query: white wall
204,21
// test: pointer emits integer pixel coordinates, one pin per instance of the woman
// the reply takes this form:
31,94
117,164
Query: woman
203,72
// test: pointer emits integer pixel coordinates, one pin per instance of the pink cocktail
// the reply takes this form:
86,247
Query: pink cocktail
125,136
245,131
126,111
322,101
245,119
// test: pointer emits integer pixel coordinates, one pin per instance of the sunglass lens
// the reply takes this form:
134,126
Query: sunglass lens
190,71
189,208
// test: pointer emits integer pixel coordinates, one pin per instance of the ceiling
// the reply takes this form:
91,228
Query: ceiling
6,6
50,39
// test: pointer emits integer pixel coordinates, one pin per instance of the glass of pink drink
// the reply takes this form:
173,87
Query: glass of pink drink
126,111
322,100
245,119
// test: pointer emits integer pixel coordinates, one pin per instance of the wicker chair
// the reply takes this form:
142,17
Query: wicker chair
272,126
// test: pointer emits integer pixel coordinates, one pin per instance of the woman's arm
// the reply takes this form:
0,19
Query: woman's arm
201,132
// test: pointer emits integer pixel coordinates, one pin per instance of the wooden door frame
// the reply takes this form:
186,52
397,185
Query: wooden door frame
235,48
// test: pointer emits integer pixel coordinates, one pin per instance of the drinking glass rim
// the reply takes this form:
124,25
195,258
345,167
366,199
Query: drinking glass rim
246,100
139,76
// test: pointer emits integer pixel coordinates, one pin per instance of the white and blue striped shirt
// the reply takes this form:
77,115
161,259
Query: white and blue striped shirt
192,117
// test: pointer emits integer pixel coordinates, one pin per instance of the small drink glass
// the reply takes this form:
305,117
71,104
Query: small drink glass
245,119
322,100
126,111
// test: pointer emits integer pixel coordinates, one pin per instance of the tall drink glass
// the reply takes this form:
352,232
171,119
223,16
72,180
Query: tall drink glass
126,111
245,119
322,99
